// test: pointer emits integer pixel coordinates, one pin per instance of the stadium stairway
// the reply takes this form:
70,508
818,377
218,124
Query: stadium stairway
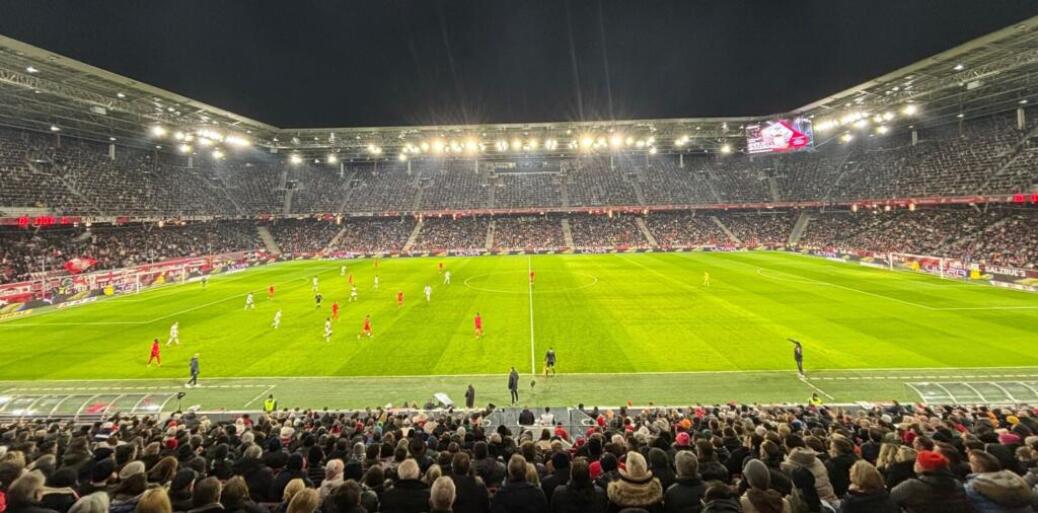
268,240
567,233
335,240
640,222
491,228
731,236
1009,158
774,188
798,228
413,237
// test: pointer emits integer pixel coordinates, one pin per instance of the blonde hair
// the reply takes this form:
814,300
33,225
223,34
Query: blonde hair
905,454
532,476
306,501
866,478
154,500
292,488
442,494
432,474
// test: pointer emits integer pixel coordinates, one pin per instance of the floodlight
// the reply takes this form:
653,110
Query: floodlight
295,159
726,149
184,148
158,131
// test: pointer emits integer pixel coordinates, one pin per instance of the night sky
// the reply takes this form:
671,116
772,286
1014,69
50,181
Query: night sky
297,63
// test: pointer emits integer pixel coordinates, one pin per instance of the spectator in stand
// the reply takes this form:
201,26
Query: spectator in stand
25,493
409,494
867,492
935,490
442,495
518,495
155,500
636,488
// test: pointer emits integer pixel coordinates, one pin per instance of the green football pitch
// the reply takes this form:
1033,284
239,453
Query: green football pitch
640,328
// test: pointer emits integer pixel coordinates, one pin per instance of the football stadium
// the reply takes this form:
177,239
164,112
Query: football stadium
552,256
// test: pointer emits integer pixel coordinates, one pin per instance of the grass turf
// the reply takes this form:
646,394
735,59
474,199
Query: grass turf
603,314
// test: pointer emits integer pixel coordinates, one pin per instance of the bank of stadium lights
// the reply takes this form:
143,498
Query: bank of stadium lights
184,148
726,149
959,67
217,155
910,110
30,69
332,159
374,150
55,128
882,129
681,141
295,159
158,131
847,137
551,144
402,157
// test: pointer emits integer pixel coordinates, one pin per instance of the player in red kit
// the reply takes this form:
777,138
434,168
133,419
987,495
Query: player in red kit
478,324
335,311
399,298
155,353
366,329
270,292
349,279
441,267
533,275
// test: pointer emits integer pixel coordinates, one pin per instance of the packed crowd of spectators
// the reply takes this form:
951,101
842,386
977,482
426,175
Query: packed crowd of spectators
988,155
361,235
761,229
685,230
600,231
444,233
708,459
27,251
543,232
303,236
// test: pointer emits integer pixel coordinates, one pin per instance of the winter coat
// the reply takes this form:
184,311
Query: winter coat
277,488
931,492
767,501
585,500
723,506
999,492
259,477
839,468
899,473
800,457
58,499
470,495
519,497
406,496
491,471
28,508
713,470
860,502
628,493
684,496
553,481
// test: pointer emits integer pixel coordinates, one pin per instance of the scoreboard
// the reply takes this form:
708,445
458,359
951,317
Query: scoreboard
780,136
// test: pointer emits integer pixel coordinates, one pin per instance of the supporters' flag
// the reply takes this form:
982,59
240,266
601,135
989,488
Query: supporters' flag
80,264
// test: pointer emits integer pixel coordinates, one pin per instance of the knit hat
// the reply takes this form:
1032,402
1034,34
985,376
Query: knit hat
131,469
1008,438
560,460
183,479
102,470
1013,420
931,461
757,474
635,469
682,439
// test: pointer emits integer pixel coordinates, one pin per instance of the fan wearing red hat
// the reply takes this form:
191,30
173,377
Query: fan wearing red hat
935,488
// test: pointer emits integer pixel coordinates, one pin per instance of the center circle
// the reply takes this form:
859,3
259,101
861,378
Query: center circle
522,286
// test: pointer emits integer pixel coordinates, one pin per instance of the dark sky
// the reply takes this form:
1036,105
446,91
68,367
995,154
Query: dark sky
302,63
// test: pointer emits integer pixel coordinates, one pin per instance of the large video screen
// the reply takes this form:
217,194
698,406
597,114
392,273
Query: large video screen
780,136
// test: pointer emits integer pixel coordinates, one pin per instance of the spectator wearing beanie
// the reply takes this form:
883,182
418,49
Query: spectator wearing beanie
470,494
180,489
661,467
605,470
686,493
992,489
487,467
132,484
294,469
719,498
709,466
935,490
759,497
802,457
518,495
867,493
636,488
771,455
102,475
409,494
559,474
24,494
580,494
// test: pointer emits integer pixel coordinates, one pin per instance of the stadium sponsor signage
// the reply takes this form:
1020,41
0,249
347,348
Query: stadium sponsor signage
15,315
1006,271
1014,286
76,302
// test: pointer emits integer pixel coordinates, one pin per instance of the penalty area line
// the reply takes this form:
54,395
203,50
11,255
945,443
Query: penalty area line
819,390
263,393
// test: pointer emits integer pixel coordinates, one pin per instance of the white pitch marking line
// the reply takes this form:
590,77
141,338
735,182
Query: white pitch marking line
852,289
529,287
819,390
263,393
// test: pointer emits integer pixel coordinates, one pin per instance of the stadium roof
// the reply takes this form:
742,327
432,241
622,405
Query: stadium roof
40,90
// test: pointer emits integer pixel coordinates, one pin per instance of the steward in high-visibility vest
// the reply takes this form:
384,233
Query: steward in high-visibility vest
270,405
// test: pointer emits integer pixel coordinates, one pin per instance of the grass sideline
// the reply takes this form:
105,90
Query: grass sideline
613,319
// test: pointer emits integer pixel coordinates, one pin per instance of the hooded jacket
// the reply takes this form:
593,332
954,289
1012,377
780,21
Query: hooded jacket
874,502
801,457
644,493
999,492
723,506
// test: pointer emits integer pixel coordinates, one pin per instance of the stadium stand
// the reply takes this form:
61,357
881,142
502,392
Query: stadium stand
792,458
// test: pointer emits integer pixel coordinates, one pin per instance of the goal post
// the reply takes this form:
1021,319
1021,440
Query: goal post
942,267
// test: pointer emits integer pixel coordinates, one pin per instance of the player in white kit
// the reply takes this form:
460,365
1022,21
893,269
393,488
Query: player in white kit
249,303
342,271
277,320
376,281
446,277
428,293
174,334
327,330
353,293
314,286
